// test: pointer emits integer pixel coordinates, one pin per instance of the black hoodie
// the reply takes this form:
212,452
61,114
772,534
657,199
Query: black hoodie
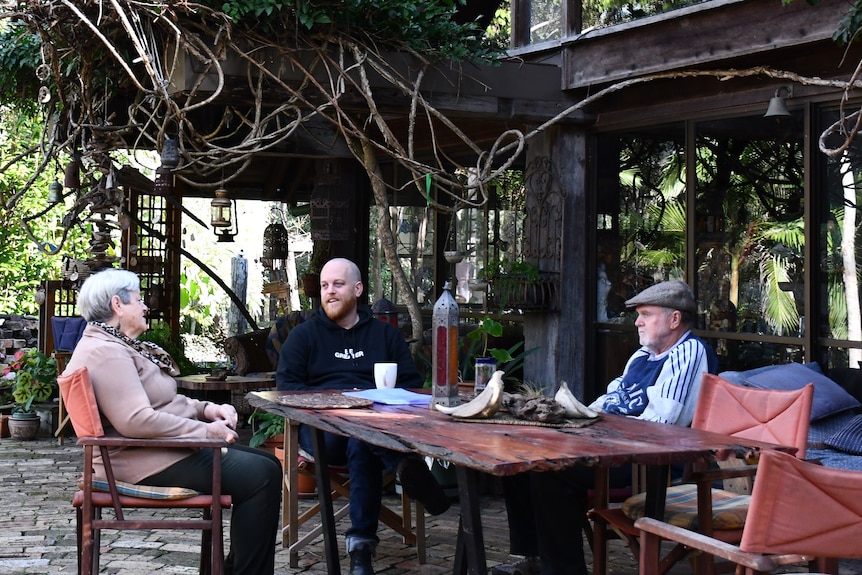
320,354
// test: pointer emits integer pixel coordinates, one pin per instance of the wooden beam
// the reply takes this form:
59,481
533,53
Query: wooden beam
695,37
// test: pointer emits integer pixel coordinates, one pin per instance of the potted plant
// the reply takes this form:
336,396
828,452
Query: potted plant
519,284
34,377
310,278
508,360
269,434
268,430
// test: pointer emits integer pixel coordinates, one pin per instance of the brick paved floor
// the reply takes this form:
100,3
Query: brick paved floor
37,529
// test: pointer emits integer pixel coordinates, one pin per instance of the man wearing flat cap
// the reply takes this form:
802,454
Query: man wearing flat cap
660,382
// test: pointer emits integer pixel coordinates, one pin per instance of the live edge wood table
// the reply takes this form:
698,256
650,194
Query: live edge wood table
501,449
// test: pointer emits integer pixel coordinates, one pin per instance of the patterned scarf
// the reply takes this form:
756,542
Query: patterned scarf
146,348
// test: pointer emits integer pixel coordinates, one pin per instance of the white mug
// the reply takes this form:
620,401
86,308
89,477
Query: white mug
385,375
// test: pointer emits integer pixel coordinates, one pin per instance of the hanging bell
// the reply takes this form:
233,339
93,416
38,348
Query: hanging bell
72,175
55,192
777,107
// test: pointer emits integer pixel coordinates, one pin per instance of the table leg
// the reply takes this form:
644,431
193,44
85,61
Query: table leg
600,528
656,490
470,550
324,496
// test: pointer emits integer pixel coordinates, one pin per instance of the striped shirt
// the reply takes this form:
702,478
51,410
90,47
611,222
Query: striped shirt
670,382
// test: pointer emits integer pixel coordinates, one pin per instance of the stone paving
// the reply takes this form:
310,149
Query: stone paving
37,531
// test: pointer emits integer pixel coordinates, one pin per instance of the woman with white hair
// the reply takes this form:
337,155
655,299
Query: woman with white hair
137,397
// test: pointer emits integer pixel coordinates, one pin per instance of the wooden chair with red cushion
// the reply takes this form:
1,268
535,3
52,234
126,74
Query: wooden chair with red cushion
800,512
780,417
96,494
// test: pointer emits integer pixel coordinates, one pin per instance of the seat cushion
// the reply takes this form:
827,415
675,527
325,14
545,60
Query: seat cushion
728,509
848,438
145,491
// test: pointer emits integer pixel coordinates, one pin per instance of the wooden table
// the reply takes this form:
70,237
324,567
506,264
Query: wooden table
503,450
198,382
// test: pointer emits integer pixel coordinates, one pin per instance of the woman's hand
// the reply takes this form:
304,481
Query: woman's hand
224,412
220,430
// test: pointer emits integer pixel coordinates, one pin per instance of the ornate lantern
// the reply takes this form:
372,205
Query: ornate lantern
221,219
444,353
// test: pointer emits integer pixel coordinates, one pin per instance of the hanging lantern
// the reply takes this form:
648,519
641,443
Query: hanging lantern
221,219
55,192
170,155
220,207
444,352
276,247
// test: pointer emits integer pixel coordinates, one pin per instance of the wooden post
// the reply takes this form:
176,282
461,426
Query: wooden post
239,284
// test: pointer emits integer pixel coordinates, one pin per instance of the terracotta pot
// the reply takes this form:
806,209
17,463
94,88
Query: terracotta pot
311,285
24,428
305,483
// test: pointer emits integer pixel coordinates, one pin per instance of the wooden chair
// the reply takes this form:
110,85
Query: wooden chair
799,511
292,519
780,417
62,358
96,495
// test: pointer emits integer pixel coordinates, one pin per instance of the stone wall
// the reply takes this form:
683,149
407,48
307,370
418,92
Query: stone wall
17,332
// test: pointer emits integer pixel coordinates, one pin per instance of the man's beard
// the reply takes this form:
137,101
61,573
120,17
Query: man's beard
342,309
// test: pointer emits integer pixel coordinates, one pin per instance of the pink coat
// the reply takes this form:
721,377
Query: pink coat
136,399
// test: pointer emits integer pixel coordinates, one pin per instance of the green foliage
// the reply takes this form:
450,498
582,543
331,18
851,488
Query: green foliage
23,265
423,26
266,426
19,57
509,360
200,301
497,268
35,375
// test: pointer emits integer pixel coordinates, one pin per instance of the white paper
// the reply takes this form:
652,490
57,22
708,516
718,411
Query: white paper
392,396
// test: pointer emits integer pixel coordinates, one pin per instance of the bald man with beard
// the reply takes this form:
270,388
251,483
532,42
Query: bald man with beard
336,349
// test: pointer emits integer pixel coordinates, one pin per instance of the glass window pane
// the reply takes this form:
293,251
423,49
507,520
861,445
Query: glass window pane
750,236
640,216
839,243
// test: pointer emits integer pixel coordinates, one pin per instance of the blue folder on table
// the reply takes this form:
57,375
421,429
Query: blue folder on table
393,396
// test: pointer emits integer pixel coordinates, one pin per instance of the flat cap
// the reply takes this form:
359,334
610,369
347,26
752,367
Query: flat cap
673,295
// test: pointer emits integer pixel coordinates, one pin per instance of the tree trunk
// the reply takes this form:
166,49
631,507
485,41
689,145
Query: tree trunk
388,242
851,284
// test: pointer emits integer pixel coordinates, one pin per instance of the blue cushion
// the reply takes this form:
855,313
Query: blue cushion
829,397
739,377
848,438
67,331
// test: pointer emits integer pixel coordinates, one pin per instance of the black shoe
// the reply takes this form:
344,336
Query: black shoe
419,484
360,561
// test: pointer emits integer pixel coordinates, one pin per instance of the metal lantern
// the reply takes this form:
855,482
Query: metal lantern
444,352
385,311
221,219
276,248
170,155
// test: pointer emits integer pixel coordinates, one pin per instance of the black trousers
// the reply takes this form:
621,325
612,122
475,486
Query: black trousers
253,479
546,514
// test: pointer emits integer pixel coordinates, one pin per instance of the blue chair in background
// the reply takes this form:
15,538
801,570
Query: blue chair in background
67,332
